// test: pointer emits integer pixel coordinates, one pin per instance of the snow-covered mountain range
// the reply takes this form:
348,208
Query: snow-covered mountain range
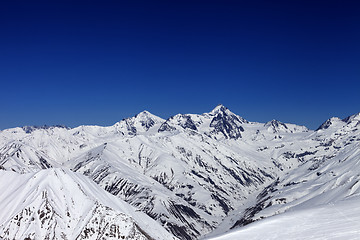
196,175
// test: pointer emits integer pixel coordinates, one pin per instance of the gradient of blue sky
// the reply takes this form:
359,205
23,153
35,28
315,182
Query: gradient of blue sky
88,62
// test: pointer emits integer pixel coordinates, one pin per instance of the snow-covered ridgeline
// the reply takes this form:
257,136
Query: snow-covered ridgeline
60,204
190,172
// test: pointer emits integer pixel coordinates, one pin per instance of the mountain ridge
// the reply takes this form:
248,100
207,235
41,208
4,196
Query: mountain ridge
194,174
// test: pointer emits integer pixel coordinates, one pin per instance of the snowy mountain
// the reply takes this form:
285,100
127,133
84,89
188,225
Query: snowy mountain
60,204
330,175
276,126
195,174
140,123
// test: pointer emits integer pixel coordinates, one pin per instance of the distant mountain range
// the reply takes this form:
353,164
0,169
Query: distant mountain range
187,177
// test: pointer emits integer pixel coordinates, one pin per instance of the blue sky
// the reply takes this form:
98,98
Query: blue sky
87,62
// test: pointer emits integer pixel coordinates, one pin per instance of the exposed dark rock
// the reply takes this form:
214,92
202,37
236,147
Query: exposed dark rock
30,129
227,125
260,205
166,127
276,125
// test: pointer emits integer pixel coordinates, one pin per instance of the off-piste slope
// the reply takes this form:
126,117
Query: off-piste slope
338,220
323,180
189,172
60,204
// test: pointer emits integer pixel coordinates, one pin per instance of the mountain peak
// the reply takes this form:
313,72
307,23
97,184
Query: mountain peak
331,122
224,111
141,122
275,123
226,122
147,115
219,108
144,113
276,126
355,117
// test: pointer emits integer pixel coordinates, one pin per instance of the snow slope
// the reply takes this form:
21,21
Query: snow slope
339,220
60,204
196,173
332,173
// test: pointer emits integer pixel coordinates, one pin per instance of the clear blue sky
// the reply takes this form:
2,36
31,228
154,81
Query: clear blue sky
87,62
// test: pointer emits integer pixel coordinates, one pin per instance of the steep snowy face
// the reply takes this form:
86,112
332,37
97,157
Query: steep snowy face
225,122
138,124
183,121
50,147
332,122
353,121
221,109
355,117
276,126
22,158
59,204
336,123
220,123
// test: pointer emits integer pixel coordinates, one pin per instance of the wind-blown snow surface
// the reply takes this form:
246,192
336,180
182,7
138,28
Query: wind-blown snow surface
194,174
339,220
